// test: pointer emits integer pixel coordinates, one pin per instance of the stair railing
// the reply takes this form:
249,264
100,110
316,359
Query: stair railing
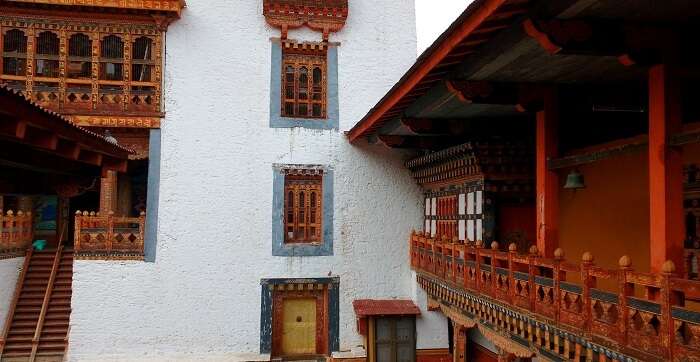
15,299
45,304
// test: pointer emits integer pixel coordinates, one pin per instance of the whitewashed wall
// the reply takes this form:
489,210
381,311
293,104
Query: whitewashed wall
202,296
9,273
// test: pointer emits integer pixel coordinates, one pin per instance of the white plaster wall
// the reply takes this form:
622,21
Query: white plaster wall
202,295
431,326
9,273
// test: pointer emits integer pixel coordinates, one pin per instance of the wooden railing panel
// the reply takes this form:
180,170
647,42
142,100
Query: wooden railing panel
642,312
16,231
109,237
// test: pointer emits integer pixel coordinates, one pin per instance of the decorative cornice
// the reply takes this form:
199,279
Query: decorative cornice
320,15
109,121
170,7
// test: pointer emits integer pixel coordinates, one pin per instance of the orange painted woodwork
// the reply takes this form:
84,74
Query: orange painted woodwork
303,211
665,170
654,321
110,70
321,15
611,214
547,181
105,236
16,231
291,303
170,7
304,85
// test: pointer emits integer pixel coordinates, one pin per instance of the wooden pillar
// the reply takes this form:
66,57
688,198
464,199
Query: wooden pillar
547,180
108,192
666,231
459,349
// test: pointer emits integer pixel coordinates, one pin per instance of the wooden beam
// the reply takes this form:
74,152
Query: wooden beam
435,57
68,149
90,157
13,128
419,142
547,180
484,92
666,232
114,164
41,139
642,45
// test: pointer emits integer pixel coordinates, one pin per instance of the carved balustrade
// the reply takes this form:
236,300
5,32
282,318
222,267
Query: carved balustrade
16,232
639,314
108,236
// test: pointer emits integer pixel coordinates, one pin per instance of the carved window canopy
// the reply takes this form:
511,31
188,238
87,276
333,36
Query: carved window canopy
321,15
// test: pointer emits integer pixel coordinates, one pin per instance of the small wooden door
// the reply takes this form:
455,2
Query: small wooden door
299,326
395,339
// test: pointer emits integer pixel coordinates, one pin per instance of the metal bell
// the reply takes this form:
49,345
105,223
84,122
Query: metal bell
574,181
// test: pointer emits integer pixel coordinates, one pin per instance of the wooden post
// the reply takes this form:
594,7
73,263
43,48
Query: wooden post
547,180
108,192
665,170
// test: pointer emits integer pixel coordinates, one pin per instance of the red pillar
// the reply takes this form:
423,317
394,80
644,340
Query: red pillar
547,180
665,171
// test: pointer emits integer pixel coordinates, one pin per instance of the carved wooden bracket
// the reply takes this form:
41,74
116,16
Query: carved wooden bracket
320,15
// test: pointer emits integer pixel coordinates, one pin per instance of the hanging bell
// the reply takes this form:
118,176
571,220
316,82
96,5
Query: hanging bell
574,181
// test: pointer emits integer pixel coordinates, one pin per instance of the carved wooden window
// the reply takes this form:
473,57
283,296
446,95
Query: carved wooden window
112,58
46,56
104,70
304,85
303,211
79,56
14,53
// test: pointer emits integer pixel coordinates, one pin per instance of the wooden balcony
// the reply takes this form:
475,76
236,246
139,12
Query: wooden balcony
562,309
108,237
16,233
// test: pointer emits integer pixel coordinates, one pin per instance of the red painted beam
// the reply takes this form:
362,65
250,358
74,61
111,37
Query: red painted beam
547,180
414,76
666,230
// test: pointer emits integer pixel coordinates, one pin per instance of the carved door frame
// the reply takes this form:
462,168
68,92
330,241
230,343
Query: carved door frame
278,299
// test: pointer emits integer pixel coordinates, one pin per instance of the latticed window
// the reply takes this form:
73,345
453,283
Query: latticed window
303,211
79,56
304,83
142,60
14,53
46,55
112,58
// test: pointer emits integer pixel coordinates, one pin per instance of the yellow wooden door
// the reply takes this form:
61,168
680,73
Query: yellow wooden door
299,327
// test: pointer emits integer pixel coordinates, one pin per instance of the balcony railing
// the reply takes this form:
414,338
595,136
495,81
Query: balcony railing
108,237
642,313
16,232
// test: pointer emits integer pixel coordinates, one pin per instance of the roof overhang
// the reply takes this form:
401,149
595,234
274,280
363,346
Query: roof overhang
30,126
487,73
